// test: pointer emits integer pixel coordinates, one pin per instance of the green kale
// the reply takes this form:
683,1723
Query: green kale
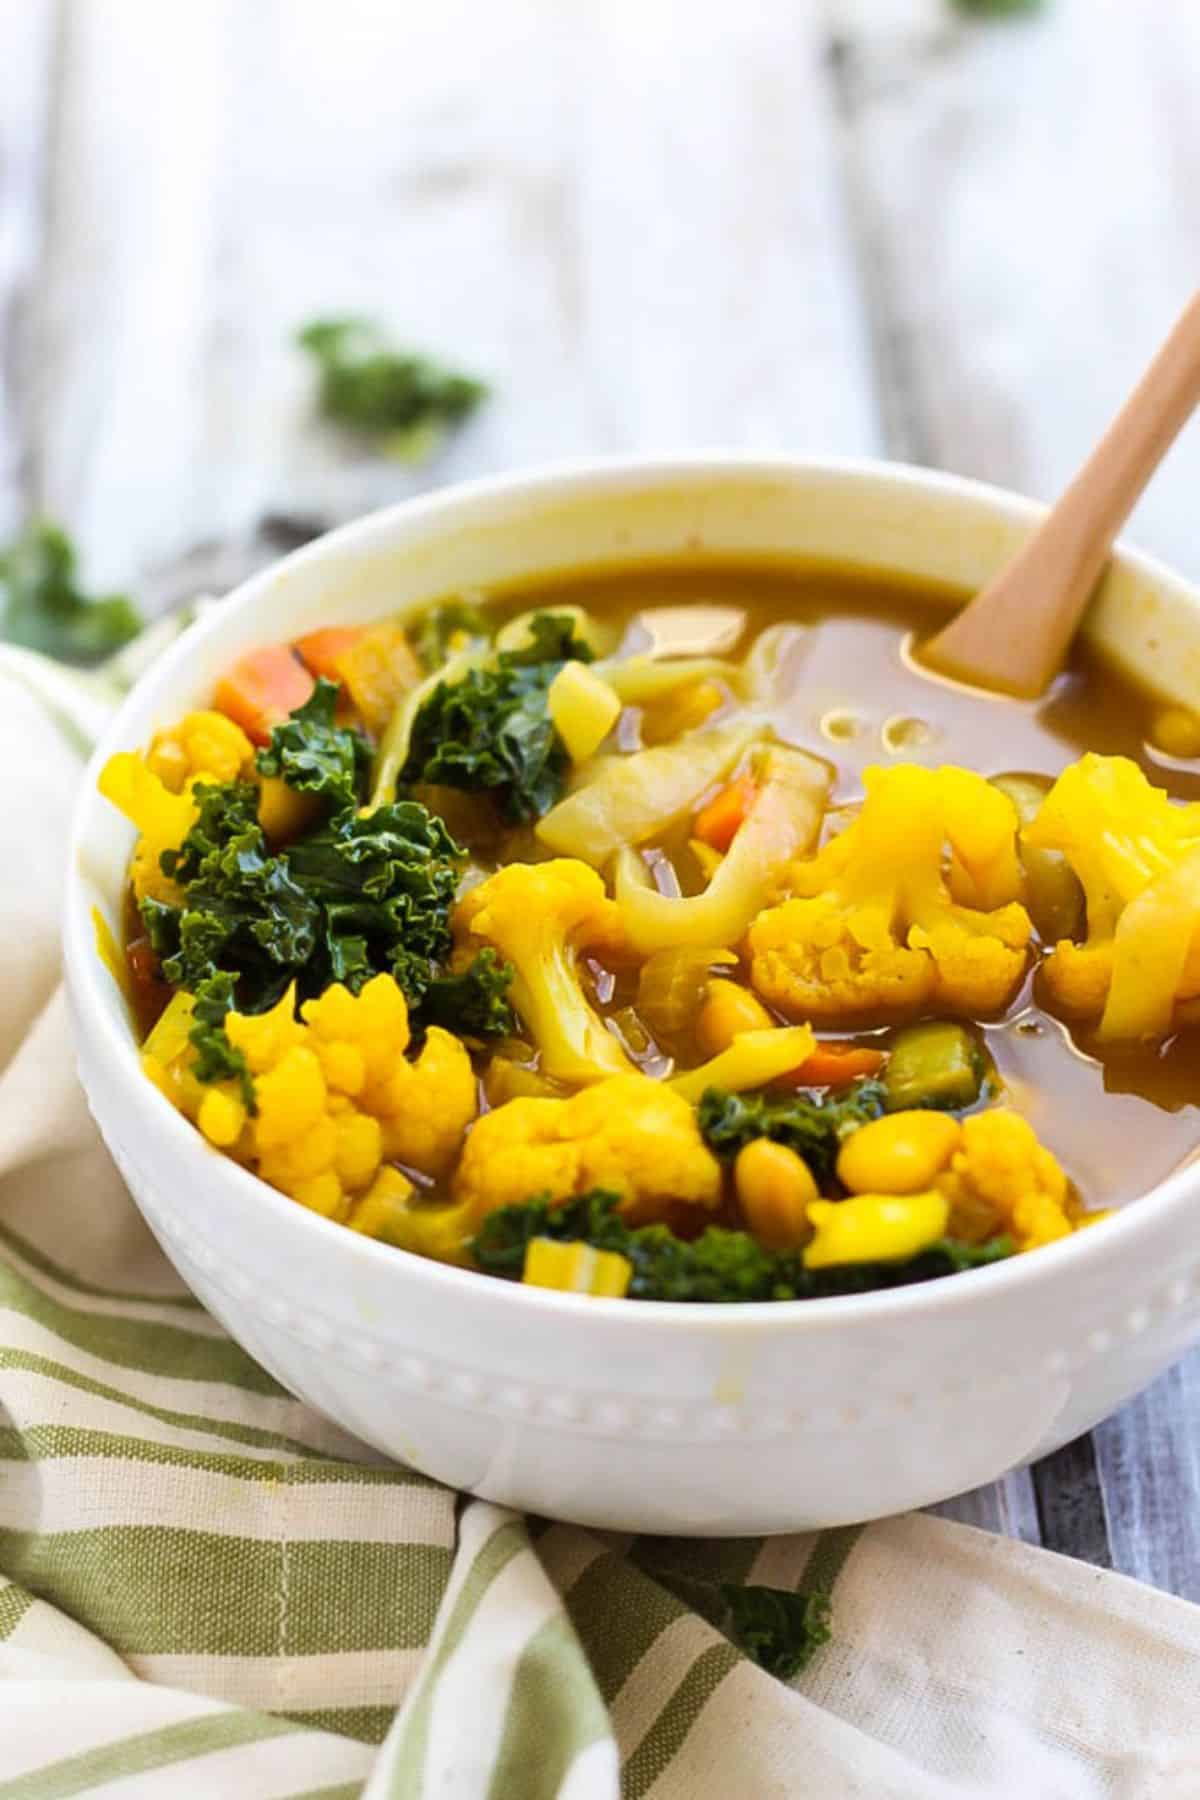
813,1128
473,1003
313,755
778,1629
216,1058
370,387
42,609
719,1265
491,731
384,883
430,636
360,895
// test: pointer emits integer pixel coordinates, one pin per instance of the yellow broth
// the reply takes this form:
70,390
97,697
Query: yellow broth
1119,1120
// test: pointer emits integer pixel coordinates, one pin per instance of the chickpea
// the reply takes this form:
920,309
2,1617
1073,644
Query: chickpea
775,1187
1176,731
899,1154
729,1010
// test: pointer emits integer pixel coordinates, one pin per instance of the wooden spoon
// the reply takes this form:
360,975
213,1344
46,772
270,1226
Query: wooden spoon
1015,634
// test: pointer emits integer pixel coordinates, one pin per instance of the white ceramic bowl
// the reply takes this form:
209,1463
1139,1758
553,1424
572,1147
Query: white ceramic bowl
649,1417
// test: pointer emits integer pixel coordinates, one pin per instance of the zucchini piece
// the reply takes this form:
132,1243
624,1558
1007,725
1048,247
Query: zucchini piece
936,1064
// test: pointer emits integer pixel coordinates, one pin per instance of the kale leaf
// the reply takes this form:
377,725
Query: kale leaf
433,633
312,754
360,895
719,1265
369,386
491,731
216,1058
778,1629
813,1128
42,609
473,1003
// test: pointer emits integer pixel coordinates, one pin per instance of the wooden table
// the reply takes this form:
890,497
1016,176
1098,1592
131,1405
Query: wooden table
863,226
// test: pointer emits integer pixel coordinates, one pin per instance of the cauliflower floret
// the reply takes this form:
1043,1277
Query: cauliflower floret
538,916
1137,856
203,746
1002,1180
630,1135
423,1107
874,928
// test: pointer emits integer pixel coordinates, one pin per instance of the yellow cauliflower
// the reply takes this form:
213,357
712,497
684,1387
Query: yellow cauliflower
1137,856
538,916
1001,1180
334,1095
878,925
630,1135
203,746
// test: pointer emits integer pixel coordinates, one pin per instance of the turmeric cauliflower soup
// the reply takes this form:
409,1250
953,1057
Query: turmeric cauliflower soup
669,934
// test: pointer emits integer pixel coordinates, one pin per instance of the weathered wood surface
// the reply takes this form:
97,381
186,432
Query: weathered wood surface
852,226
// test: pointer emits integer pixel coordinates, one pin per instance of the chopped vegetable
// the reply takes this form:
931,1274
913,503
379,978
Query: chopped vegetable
367,385
216,1059
319,650
576,1268
778,1629
1138,857
783,821
837,1065
492,730
262,688
583,709
311,754
377,670
42,609
875,931
814,1129
718,823
1053,892
938,1064
629,1135
637,797
539,916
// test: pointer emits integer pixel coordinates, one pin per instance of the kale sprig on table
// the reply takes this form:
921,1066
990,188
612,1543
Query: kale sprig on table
43,608
402,399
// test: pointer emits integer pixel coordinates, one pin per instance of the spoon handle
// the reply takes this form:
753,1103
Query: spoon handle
1015,633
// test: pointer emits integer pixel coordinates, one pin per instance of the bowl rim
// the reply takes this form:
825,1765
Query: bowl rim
1086,1250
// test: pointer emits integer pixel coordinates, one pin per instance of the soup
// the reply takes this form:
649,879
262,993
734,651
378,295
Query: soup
670,932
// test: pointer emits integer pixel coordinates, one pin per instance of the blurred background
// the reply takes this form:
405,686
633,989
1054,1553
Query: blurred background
945,232
949,231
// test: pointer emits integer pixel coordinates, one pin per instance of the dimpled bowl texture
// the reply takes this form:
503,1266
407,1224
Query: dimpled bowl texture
646,1417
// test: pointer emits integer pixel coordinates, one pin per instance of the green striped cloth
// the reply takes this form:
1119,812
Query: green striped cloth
207,1589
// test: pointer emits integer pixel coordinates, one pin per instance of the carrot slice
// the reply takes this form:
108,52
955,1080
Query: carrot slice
833,1065
263,688
320,650
717,823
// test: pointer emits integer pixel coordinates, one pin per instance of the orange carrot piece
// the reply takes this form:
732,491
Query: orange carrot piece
319,650
717,823
262,688
833,1065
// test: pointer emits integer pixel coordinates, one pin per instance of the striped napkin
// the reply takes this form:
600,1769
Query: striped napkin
208,1589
